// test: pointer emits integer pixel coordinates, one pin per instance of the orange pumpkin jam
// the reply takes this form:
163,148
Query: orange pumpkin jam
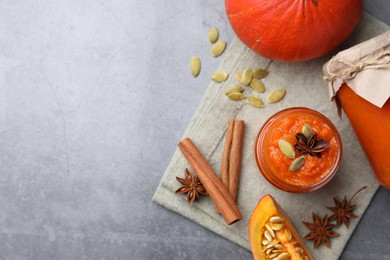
315,171
314,168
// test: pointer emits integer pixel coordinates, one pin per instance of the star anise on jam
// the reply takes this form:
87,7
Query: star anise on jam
191,185
310,145
343,211
321,231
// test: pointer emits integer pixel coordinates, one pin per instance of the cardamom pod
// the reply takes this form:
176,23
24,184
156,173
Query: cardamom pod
276,95
195,66
286,148
236,96
255,101
236,88
213,34
257,85
218,48
297,164
219,76
259,73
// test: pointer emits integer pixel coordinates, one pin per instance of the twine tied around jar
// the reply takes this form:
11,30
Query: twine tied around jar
345,70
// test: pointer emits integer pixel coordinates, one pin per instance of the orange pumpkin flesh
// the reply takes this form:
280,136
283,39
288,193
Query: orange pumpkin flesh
293,30
266,208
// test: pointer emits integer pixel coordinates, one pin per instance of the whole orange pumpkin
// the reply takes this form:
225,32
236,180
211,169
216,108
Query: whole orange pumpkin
293,30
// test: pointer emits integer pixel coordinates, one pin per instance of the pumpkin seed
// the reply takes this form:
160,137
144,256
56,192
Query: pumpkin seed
283,256
236,88
238,76
255,101
268,251
277,227
297,164
236,96
267,235
270,230
257,85
299,250
275,219
273,255
218,48
213,34
307,130
259,73
219,76
270,246
276,95
286,148
265,242
195,66
278,246
246,77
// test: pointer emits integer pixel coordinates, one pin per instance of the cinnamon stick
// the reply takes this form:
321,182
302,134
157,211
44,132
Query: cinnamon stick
213,185
235,158
224,175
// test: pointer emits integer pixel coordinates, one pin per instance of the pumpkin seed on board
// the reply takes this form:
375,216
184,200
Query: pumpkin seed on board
257,85
246,76
236,88
255,101
236,96
297,164
218,48
259,73
219,76
238,76
195,66
213,34
286,148
276,95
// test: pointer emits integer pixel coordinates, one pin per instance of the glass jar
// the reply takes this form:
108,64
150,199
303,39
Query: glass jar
273,164
372,127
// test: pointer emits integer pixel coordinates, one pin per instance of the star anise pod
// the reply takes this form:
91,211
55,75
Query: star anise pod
191,185
321,230
343,211
310,145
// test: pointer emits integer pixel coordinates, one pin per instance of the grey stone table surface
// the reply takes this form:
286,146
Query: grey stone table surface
94,97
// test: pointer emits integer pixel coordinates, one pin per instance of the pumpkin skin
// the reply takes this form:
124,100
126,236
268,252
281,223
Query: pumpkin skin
293,30
266,208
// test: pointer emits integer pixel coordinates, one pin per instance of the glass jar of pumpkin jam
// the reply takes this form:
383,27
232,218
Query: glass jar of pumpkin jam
372,128
274,165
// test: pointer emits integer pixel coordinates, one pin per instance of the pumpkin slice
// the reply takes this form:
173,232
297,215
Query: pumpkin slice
272,235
